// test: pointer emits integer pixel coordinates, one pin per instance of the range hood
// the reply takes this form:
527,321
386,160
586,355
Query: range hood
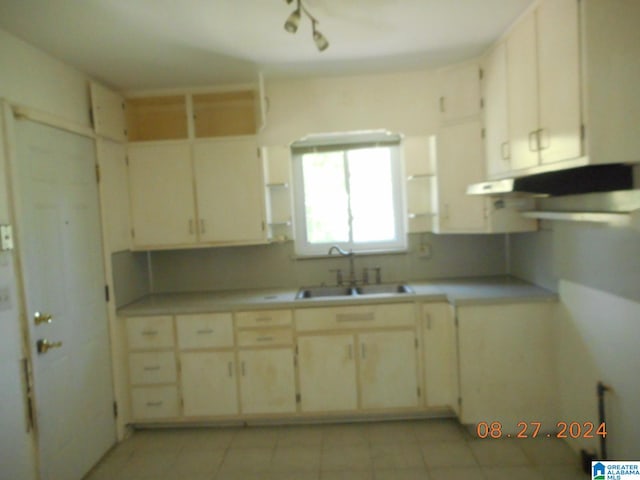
574,181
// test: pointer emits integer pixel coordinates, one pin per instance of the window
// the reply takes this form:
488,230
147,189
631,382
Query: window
348,192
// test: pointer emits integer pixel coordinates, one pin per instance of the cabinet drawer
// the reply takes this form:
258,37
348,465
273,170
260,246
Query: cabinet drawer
350,317
263,318
149,332
212,330
265,337
152,367
154,402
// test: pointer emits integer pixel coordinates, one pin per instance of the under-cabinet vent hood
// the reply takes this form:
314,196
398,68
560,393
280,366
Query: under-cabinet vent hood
590,179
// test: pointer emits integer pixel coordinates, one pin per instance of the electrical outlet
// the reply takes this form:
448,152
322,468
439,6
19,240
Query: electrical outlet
5,298
6,237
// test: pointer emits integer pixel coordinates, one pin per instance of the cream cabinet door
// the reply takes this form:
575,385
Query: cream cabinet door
496,112
460,87
267,381
506,364
439,356
209,383
230,191
523,93
388,369
559,80
162,202
459,163
108,113
327,372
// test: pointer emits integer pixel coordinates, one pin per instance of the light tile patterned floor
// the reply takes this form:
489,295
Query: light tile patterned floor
437,449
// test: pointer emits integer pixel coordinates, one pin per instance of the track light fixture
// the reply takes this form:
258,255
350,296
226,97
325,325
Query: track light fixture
293,21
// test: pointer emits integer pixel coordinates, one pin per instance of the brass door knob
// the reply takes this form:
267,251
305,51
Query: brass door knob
44,345
40,317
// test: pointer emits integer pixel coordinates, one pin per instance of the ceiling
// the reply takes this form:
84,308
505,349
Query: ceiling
147,44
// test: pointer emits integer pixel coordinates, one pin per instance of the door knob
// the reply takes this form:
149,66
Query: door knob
40,317
44,345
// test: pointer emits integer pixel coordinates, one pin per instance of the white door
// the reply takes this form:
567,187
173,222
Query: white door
327,373
267,381
230,191
17,456
60,249
388,369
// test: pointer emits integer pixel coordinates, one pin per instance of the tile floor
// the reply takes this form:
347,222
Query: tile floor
436,449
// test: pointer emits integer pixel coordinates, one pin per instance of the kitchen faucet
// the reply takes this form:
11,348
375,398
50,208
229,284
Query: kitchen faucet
350,254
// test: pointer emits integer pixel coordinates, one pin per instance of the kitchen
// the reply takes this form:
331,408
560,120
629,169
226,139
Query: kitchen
593,268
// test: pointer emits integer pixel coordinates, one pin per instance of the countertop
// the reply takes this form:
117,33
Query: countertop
465,291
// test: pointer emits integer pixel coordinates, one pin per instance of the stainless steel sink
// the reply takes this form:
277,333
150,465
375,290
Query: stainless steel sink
319,292
382,289
341,291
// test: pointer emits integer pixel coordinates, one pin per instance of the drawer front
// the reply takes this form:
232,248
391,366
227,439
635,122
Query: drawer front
152,367
265,337
154,403
355,317
150,332
212,330
265,318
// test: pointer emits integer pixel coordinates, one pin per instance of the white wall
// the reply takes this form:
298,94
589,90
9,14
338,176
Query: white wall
401,102
597,340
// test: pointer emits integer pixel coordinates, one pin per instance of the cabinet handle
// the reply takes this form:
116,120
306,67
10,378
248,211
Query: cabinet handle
149,333
230,367
264,339
350,351
541,134
533,140
154,404
442,104
152,368
205,331
242,369
263,319
202,230
190,226
363,348
506,153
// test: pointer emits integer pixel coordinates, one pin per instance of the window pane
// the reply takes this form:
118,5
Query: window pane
372,203
325,197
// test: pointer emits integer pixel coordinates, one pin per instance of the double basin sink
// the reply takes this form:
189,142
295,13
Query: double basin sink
342,291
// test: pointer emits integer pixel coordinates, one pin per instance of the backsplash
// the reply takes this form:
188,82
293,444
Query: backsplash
275,265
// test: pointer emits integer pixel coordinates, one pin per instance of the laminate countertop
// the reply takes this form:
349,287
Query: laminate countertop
456,291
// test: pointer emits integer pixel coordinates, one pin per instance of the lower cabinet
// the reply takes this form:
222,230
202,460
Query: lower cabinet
371,365
209,383
327,370
267,381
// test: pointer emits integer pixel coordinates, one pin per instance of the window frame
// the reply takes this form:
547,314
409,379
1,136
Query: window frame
343,143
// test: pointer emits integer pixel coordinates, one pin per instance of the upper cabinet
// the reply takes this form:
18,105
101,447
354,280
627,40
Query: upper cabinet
460,92
108,113
544,105
157,118
566,76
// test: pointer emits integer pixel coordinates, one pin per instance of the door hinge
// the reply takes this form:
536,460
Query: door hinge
298,398
133,233
106,293
419,393
482,103
456,320
126,157
97,173
92,120
459,402
481,73
482,133
583,132
115,409
416,342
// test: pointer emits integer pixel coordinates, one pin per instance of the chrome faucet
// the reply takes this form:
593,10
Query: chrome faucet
350,254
